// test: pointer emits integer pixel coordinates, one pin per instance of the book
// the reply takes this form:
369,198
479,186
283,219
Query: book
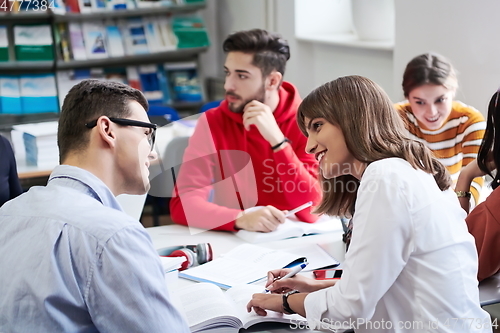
135,39
76,41
207,308
94,37
148,75
33,42
183,81
248,263
133,77
38,93
10,95
62,40
171,263
190,31
293,228
4,44
114,40
85,6
40,142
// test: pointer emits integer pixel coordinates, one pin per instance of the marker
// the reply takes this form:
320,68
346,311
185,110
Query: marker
298,209
290,274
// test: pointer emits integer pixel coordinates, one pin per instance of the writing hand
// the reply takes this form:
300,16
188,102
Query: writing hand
298,282
265,219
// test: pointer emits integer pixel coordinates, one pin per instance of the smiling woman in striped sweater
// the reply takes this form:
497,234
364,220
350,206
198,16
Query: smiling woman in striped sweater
450,129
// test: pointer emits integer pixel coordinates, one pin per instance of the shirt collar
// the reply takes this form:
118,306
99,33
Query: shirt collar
84,181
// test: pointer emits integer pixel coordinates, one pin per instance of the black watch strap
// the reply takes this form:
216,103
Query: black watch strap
279,144
286,306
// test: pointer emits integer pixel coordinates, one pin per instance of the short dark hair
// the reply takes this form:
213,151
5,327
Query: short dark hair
87,101
429,68
270,51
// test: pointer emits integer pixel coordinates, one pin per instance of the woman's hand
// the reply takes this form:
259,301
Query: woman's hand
298,282
262,302
468,173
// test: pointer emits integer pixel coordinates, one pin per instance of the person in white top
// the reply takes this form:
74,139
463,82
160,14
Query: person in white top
411,264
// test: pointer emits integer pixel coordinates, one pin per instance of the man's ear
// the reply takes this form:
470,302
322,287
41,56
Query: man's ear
105,132
273,80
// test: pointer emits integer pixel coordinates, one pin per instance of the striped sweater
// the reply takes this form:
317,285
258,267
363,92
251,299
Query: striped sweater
456,143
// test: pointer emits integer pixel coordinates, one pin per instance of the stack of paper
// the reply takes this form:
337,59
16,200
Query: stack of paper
171,263
40,141
293,228
249,263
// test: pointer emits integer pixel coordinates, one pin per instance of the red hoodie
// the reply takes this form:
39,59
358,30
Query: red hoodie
227,169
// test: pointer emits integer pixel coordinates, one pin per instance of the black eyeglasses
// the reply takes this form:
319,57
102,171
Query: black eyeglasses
130,122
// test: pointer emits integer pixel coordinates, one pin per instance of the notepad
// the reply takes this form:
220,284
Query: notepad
293,228
207,308
248,263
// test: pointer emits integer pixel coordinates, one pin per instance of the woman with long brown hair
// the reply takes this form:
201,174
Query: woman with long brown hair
411,260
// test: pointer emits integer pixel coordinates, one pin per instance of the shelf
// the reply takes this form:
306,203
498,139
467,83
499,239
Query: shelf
8,120
349,40
14,67
25,16
108,14
37,16
183,106
131,60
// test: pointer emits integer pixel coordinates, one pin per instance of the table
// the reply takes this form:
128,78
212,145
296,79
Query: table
222,242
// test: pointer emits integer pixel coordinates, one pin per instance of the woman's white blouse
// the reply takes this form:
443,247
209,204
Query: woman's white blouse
411,265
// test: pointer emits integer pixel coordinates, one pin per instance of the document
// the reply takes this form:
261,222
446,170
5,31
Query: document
293,228
248,263
207,308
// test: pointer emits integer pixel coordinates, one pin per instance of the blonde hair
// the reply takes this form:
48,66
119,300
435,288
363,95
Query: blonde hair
373,130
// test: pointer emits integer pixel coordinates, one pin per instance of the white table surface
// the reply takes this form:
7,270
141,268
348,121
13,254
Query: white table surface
222,242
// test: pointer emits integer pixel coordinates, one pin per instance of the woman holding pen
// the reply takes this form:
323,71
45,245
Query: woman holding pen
411,260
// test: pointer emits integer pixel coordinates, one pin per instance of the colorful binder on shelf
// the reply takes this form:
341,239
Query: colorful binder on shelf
190,31
33,42
4,44
10,96
38,93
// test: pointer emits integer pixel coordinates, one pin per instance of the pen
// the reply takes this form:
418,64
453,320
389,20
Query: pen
298,209
290,274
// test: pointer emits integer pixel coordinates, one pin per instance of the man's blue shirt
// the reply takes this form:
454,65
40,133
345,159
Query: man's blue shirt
72,261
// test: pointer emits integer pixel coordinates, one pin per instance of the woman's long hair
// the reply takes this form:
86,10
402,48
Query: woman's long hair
373,130
490,146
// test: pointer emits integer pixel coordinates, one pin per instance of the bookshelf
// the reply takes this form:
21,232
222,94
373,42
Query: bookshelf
58,65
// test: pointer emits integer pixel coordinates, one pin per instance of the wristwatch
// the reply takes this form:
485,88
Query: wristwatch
286,306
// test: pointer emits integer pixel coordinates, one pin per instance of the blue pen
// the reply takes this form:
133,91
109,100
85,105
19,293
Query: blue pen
290,274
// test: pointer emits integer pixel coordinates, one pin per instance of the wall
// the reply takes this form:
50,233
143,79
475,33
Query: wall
310,64
466,32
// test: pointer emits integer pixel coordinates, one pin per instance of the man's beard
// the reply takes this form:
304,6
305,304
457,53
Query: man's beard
259,96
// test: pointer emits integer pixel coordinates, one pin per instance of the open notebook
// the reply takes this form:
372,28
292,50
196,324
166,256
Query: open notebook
207,308
248,263
293,228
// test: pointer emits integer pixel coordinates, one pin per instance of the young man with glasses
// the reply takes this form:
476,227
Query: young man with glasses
71,259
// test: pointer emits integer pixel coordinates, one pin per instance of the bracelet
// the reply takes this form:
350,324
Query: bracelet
279,144
463,194
286,306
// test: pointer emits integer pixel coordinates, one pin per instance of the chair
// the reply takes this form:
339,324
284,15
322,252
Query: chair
168,112
209,105
167,171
